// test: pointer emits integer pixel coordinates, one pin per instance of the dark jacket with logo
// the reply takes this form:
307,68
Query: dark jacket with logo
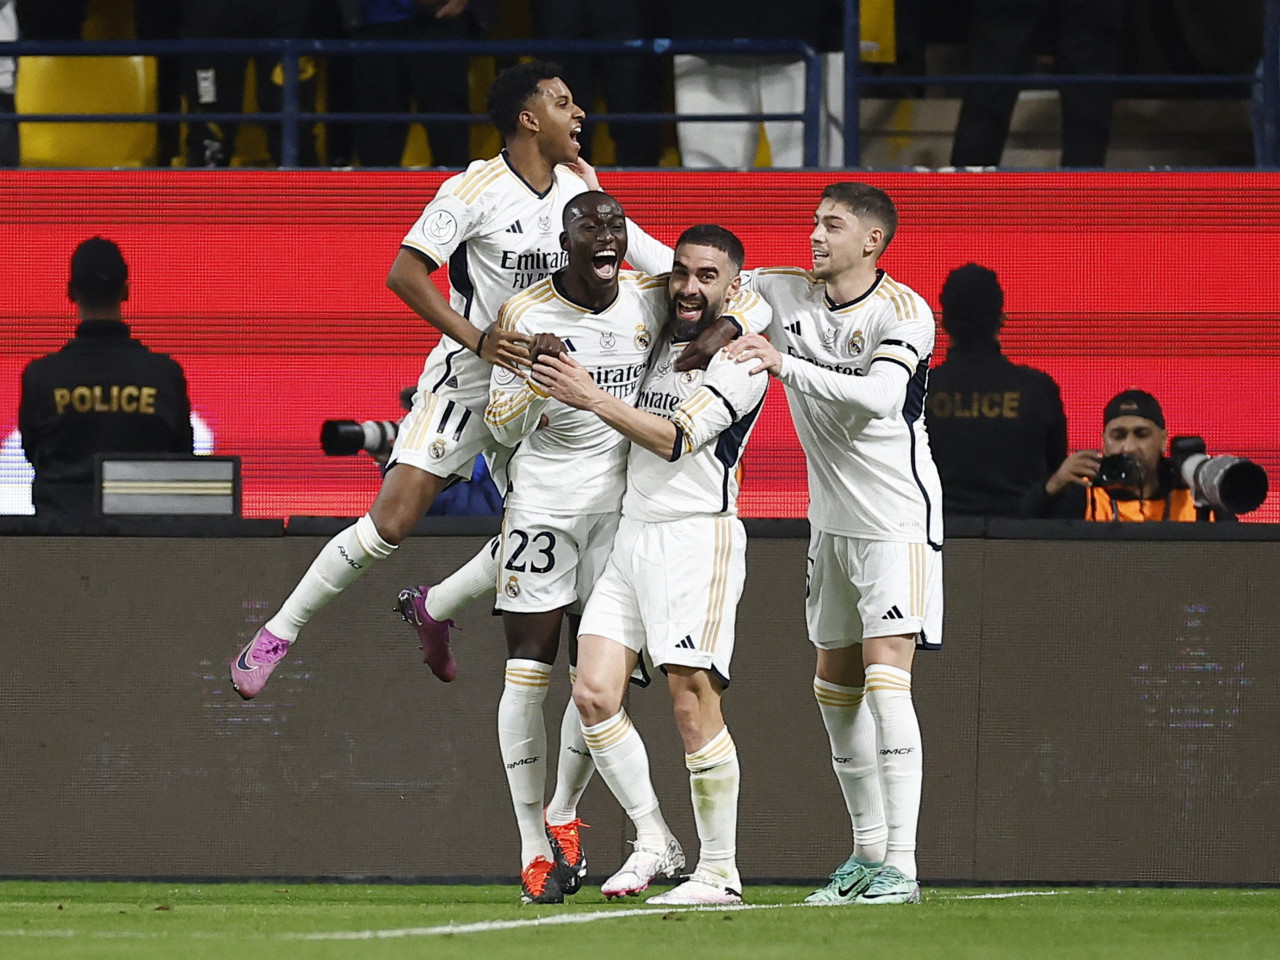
995,428
103,392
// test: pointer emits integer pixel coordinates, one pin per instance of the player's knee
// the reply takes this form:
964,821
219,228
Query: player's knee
594,704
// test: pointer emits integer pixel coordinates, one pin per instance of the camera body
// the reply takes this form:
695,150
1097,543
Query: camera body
346,438
1230,484
1118,471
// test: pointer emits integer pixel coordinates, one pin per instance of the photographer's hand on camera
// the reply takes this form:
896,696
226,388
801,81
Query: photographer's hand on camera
505,348
1080,468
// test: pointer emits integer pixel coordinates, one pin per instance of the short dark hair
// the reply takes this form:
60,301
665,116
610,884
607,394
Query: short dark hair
512,89
867,203
718,238
98,273
972,304
575,203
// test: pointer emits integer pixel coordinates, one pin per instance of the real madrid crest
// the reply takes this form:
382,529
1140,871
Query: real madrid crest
643,337
857,343
437,448
512,589
687,376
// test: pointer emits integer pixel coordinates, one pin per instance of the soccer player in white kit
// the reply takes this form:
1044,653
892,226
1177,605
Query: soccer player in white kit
566,478
497,225
674,577
852,346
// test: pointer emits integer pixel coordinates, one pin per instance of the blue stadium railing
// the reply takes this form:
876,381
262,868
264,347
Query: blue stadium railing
1265,83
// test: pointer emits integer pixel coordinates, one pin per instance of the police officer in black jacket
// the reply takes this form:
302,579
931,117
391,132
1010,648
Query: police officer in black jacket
103,392
995,427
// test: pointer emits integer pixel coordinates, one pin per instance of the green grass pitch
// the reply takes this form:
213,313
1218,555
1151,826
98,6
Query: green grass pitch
247,921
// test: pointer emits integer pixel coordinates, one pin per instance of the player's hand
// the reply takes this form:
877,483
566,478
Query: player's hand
1079,468
507,349
757,348
567,380
587,172
706,345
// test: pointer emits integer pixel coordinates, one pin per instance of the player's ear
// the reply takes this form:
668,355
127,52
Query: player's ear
734,287
564,240
528,120
875,237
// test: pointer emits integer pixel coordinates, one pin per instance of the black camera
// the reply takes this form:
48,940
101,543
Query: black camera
346,438
1231,484
1118,471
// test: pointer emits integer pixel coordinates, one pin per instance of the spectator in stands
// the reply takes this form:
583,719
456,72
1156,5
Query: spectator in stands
394,82
746,84
1003,35
630,84
103,392
995,427
8,128
1149,489
215,81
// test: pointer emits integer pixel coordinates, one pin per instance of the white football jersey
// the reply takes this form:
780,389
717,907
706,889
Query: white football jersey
714,411
499,236
869,478
576,463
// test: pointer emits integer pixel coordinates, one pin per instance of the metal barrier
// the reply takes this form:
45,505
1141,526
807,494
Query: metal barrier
291,116
1265,82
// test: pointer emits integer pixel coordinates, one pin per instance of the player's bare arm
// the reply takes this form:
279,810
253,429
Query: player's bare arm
410,280
572,384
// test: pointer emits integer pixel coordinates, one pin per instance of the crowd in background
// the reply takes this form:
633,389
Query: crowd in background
899,37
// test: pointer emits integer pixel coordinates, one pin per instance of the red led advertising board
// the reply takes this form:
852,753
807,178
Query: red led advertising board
269,288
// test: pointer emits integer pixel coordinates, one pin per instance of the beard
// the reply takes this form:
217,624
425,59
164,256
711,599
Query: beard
689,329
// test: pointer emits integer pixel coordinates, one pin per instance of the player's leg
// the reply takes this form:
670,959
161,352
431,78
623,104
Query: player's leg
532,639
692,639
430,609
405,494
835,629
609,643
574,766
712,761
900,589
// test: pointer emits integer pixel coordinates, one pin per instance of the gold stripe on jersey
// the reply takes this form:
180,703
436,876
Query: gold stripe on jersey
719,750
904,304
473,184
919,578
522,303
825,695
685,414
789,272
417,432
617,728
879,678
744,300
435,255
503,410
527,677
719,585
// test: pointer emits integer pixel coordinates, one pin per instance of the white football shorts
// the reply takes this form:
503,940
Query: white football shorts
672,589
546,562
859,589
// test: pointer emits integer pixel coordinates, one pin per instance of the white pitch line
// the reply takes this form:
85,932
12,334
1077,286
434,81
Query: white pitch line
489,926
1005,896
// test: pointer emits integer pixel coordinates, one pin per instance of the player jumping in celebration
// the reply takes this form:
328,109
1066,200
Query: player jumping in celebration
852,348
674,577
497,226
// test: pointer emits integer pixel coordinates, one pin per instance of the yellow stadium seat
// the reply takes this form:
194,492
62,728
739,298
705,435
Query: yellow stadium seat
86,85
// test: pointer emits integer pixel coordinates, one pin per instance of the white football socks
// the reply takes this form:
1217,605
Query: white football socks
474,580
713,783
852,733
900,756
574,767
339,564
522,737
623,762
